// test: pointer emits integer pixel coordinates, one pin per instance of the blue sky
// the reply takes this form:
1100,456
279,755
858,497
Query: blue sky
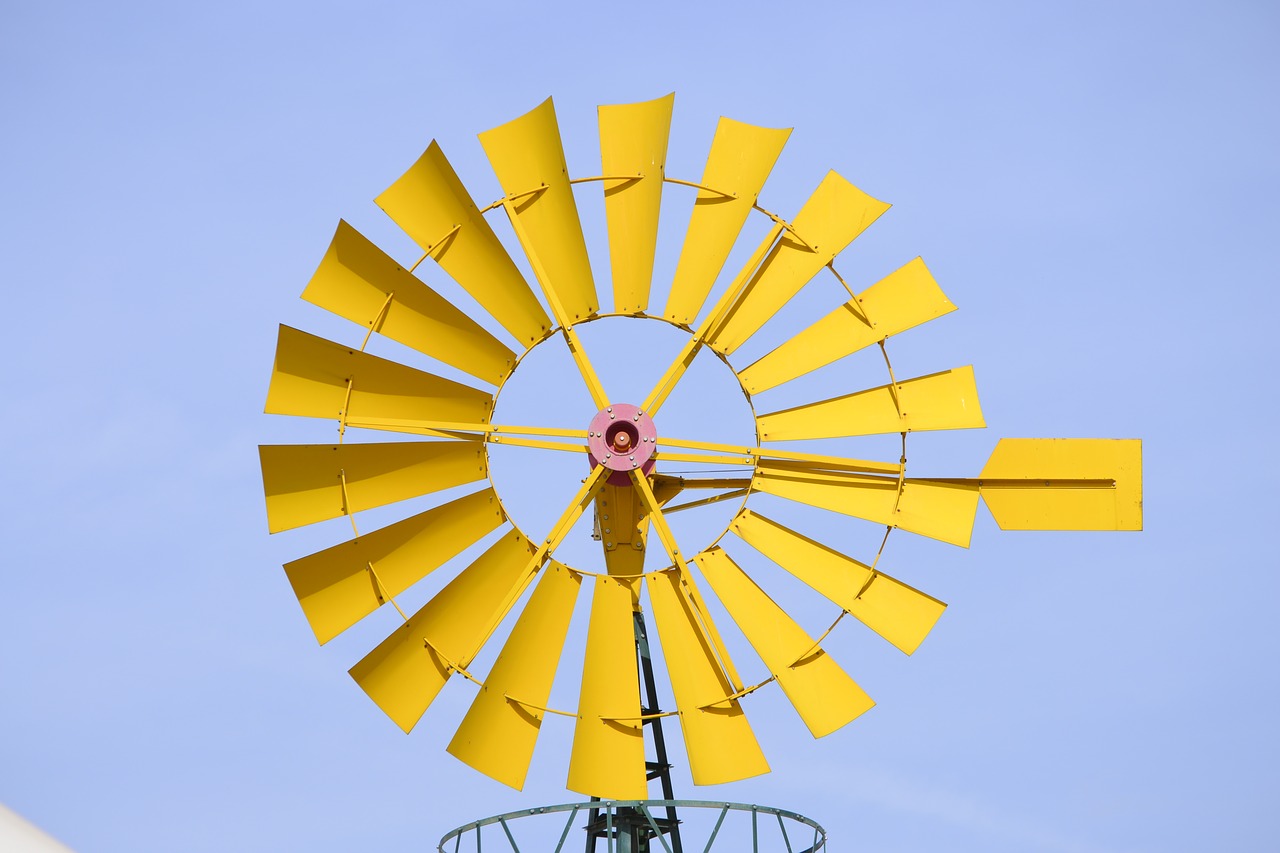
1095,186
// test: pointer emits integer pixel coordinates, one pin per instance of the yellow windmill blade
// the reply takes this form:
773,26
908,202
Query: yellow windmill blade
608,745
528,158
498,733
433,207
341,585
638,475
404,674
901,614
946,400
721,745
360,282
900,301
316,378
741,158
830,220
306,483
633,157
825,697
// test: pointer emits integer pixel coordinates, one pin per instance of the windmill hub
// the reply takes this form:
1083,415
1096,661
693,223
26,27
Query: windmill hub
622,438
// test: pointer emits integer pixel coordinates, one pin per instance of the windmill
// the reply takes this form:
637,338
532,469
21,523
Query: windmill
446,432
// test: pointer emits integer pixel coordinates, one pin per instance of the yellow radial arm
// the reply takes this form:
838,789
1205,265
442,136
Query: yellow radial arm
357,280
433,207
498,734
901,614
528,158
823,694
405,673
318,378
741,157
633,155
607,760
902,300
717,736
946,400
1064,484
306,483
942,510
830,220
341,585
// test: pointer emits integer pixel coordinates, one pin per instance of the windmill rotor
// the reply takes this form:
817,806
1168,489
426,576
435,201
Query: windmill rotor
632,471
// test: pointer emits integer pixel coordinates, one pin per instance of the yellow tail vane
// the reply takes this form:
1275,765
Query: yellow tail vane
830,220
1064,484
741,158
306,483
608,743
317,378
719,740
404,674
901,614
946,400
433,207
527,156
357,280
498,734
902,300
825,697
341,585
938,509
633,155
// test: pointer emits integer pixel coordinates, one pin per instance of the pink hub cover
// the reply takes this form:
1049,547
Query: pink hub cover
622,438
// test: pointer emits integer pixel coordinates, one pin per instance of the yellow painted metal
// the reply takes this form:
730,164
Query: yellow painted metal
357,280
937,509
834,463
830,220
900,301
306,483
405,673
901,614
946,400
607,760
719,740
623,525
498,734
823,694
688,587
339,586
633,143
528,158
433,207
707,327
1021,499
317,378
742,155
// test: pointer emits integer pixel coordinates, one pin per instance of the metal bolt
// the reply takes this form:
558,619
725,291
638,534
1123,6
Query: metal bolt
607,530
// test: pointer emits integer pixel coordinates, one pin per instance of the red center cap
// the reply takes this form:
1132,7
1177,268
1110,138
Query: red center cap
622,438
